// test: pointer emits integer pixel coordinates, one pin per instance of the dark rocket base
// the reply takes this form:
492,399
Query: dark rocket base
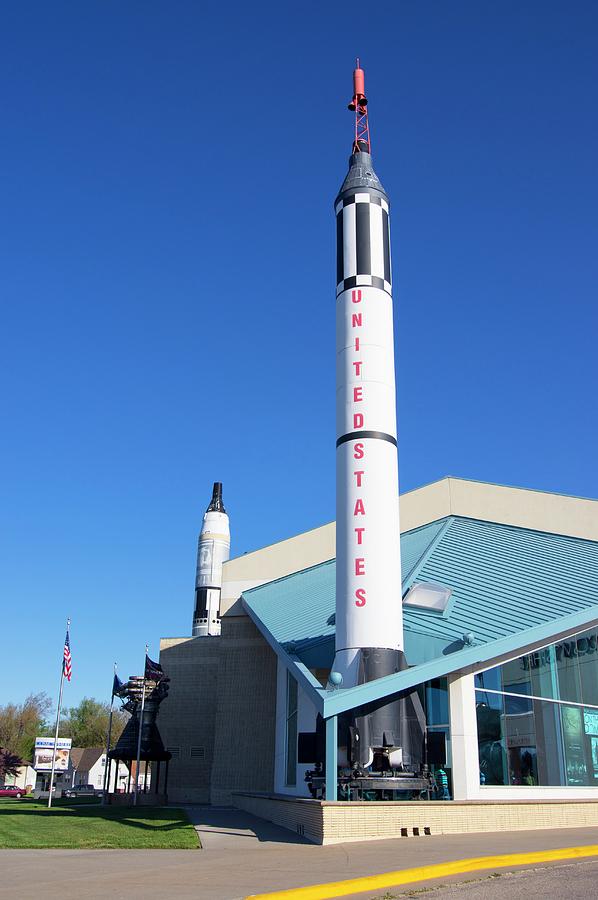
370,736
385,725
407,786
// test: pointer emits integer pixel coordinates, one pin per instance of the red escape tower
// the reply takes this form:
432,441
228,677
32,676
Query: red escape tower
359,105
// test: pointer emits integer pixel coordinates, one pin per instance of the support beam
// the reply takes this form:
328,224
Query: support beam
464,737
331,757
298,669
494,653
106,790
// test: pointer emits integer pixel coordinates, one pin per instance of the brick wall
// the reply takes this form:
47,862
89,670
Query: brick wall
218,718
187,717
333,823
245,719
301,816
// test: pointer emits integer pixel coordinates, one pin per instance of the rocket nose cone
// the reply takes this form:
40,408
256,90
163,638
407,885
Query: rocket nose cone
216,503
361,175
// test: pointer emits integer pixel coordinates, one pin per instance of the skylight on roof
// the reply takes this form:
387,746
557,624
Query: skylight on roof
428,595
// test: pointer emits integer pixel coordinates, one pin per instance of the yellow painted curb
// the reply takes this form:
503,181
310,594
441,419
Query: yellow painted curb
424,873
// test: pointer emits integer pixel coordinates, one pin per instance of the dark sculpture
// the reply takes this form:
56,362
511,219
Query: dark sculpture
141,697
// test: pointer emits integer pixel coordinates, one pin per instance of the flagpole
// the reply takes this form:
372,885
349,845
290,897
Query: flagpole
136,785
68,624
107,766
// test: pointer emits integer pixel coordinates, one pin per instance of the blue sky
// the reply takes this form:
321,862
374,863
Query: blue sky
167,268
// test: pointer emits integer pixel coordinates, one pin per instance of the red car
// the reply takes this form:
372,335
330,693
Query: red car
7,790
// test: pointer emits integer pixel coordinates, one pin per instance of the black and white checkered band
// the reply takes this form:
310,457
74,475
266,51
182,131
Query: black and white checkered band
363,280
362,243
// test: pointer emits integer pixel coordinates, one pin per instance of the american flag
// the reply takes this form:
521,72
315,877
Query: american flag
67,666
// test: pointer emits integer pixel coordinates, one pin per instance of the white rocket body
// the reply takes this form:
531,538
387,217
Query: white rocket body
368,568
213,550
387,736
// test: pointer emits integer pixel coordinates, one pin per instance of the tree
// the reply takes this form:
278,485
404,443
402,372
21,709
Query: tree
10,763
87,723
20,723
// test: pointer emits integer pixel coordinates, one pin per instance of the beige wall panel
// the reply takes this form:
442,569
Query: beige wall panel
275,561
424,505
554,513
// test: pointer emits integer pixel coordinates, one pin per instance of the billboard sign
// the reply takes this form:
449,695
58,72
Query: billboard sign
44,751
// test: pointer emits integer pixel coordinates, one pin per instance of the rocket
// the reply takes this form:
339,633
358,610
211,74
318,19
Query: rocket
369,627
213,550
368,569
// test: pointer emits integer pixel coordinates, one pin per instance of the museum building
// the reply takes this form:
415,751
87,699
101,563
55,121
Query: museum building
500,617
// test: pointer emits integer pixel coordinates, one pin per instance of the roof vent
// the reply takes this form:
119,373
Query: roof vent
428,595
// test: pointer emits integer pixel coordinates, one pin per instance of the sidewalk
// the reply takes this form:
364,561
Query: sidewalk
243,855
224,828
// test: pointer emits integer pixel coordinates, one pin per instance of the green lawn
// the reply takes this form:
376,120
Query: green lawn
30,824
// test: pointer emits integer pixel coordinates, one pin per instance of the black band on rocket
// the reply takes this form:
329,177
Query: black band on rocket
372,199
363,281
356,435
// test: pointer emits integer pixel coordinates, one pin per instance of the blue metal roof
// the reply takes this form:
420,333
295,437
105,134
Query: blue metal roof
504,580
415,544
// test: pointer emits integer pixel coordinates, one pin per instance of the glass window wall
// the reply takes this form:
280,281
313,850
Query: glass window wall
538,716
436,706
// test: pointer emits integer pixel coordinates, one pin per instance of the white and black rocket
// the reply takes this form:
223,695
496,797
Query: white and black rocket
213,550
369,627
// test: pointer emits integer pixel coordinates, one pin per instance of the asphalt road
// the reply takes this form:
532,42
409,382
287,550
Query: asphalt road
244,855
569,881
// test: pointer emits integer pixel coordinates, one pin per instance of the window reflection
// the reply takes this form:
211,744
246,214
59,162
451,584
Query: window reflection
573,740
436,702
523,738
435,699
